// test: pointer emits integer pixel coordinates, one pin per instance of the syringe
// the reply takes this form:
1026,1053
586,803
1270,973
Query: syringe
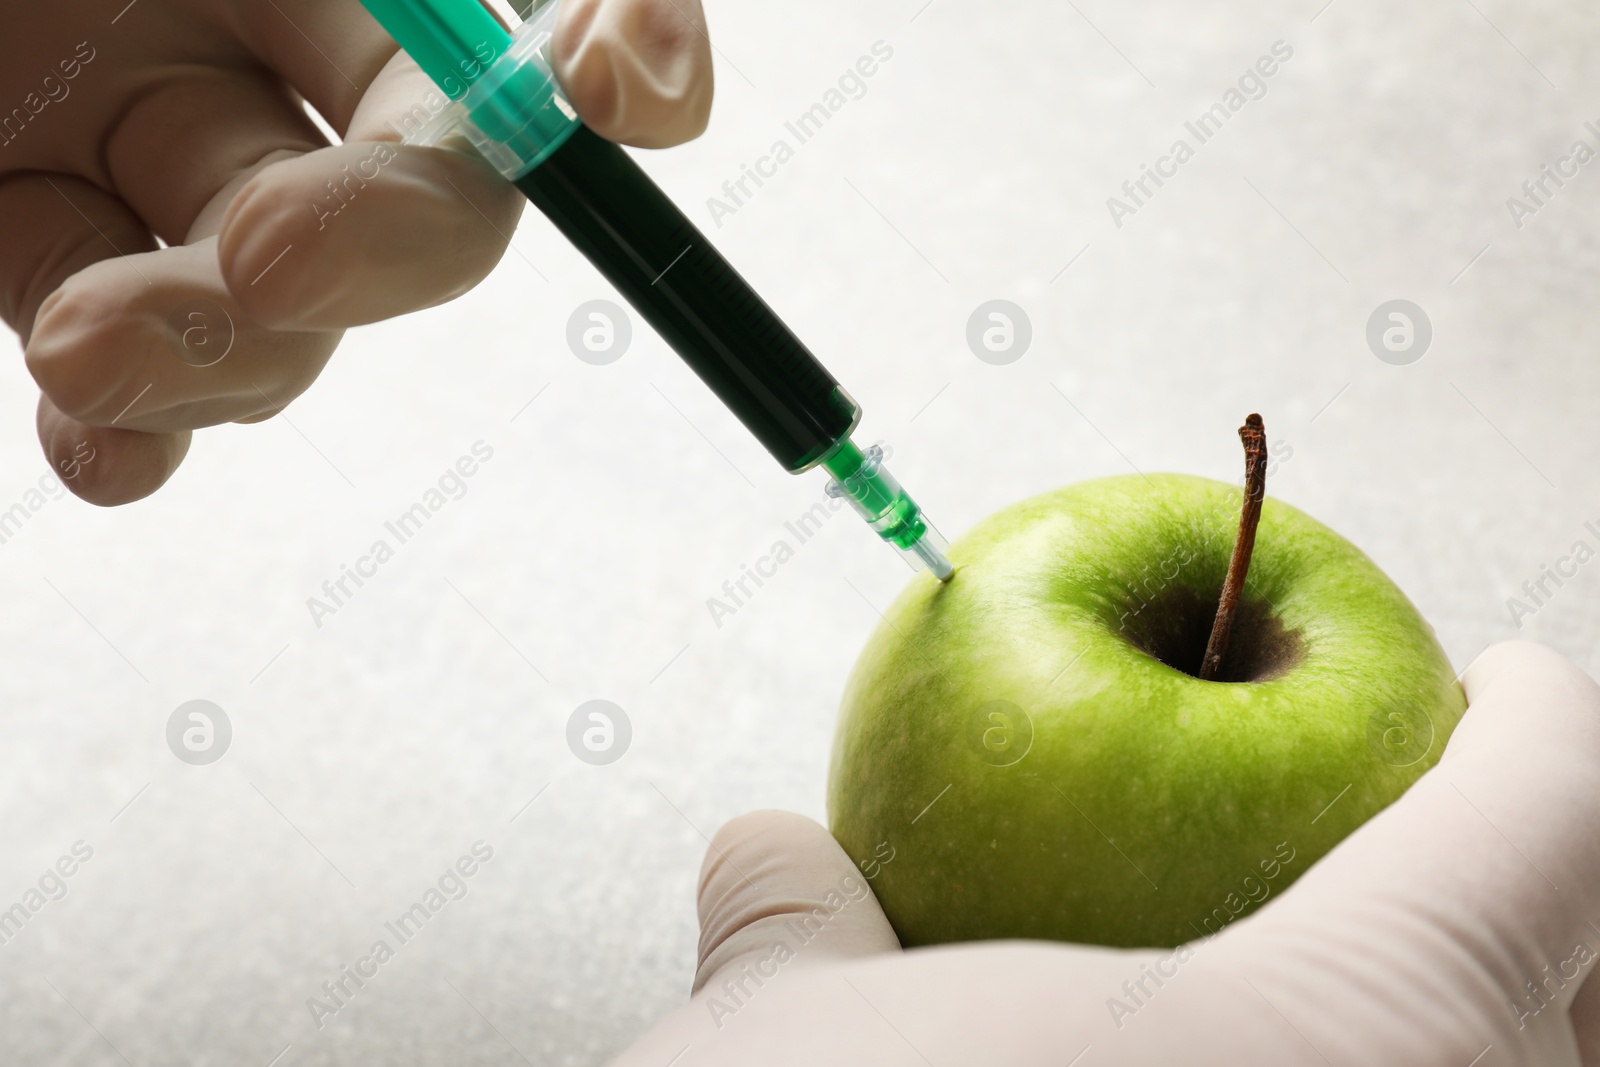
506,100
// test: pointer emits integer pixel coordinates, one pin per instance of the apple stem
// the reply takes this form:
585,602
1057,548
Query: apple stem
1254,436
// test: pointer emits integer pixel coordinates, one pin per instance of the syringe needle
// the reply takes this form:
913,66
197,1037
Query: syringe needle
861,478
935,560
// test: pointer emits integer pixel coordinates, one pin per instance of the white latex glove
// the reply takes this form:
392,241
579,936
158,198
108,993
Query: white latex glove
181,120
1411,943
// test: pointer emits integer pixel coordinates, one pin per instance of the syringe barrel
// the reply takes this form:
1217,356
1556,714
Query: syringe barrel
674,277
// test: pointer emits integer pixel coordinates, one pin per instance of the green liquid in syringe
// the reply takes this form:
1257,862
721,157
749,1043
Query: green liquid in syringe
667,269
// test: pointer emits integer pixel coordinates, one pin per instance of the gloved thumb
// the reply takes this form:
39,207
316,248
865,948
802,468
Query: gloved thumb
638,71
777,892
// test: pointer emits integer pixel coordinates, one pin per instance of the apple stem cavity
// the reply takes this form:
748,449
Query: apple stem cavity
1254,436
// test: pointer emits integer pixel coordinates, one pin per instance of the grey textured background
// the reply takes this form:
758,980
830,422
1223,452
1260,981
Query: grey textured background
371,752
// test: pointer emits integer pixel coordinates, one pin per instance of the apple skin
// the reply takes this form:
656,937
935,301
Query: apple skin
1117,800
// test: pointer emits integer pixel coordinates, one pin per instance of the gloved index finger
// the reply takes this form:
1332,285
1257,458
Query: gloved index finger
373,229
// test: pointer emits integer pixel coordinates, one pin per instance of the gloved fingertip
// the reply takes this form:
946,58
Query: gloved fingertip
638,71
107,466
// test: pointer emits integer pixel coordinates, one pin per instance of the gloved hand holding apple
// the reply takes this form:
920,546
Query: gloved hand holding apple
1456,928
1070,742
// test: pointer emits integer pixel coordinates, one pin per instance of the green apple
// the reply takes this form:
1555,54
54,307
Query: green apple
1026,752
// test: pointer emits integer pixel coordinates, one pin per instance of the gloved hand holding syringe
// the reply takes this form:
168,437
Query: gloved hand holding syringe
507,101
